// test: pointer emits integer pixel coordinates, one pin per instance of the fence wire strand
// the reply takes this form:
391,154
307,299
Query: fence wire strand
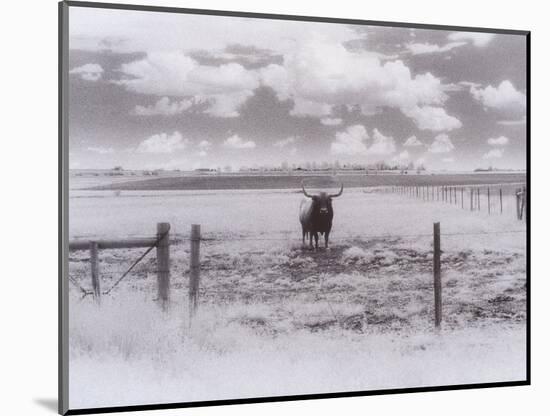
155,244
214,239
204,291
84,291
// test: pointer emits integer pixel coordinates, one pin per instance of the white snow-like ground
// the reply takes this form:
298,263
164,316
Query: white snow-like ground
133,354
277,320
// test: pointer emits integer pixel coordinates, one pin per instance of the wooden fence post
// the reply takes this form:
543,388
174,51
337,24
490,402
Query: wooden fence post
471,199
94,263
524,203
488,201
194,269
518,214
478,201
462,198
163,263
437,274
521,200
500,197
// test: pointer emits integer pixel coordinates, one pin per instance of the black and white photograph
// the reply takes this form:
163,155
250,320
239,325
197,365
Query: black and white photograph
260,207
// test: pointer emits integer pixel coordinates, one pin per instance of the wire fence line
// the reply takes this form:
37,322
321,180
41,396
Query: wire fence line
181,240
350,238
466,185
161,235
163,241
353,237
479,196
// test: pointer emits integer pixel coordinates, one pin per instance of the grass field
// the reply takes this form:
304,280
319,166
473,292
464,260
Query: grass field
276,319
294,181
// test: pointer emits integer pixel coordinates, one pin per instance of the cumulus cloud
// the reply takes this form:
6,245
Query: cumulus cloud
236,142
164,107
350,142
88,72
433,118
441,144
412,142
225,87
476,38
101,150
204,145
493,154
404,156
503,97
427,48
316,74
162,143
353,142
381,145
448,159
498,141
303,107
329,121
319,75
284,142
209,33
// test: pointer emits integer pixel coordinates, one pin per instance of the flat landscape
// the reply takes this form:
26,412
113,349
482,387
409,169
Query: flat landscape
276,318
203,149
281,181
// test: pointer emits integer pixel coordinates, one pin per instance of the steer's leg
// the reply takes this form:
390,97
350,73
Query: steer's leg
304,232
316,240
326,240
311,240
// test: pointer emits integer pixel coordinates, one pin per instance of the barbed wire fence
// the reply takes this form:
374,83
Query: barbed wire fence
478,197
163,241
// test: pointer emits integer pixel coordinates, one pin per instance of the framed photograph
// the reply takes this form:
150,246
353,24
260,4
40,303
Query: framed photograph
265,207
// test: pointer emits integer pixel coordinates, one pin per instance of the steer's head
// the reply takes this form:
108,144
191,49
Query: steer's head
322,203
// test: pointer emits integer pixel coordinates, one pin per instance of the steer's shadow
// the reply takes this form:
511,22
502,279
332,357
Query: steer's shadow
316,261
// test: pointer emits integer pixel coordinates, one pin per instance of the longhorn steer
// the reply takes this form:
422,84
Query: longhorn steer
316,215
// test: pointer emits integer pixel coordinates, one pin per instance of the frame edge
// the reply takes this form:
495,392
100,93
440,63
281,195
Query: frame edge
63,322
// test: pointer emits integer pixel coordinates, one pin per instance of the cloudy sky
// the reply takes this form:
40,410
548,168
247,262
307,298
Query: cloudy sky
175,91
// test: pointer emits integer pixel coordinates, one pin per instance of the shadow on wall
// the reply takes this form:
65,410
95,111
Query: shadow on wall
49,404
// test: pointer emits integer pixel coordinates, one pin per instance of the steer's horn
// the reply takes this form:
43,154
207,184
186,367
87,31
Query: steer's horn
304,191
339,193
